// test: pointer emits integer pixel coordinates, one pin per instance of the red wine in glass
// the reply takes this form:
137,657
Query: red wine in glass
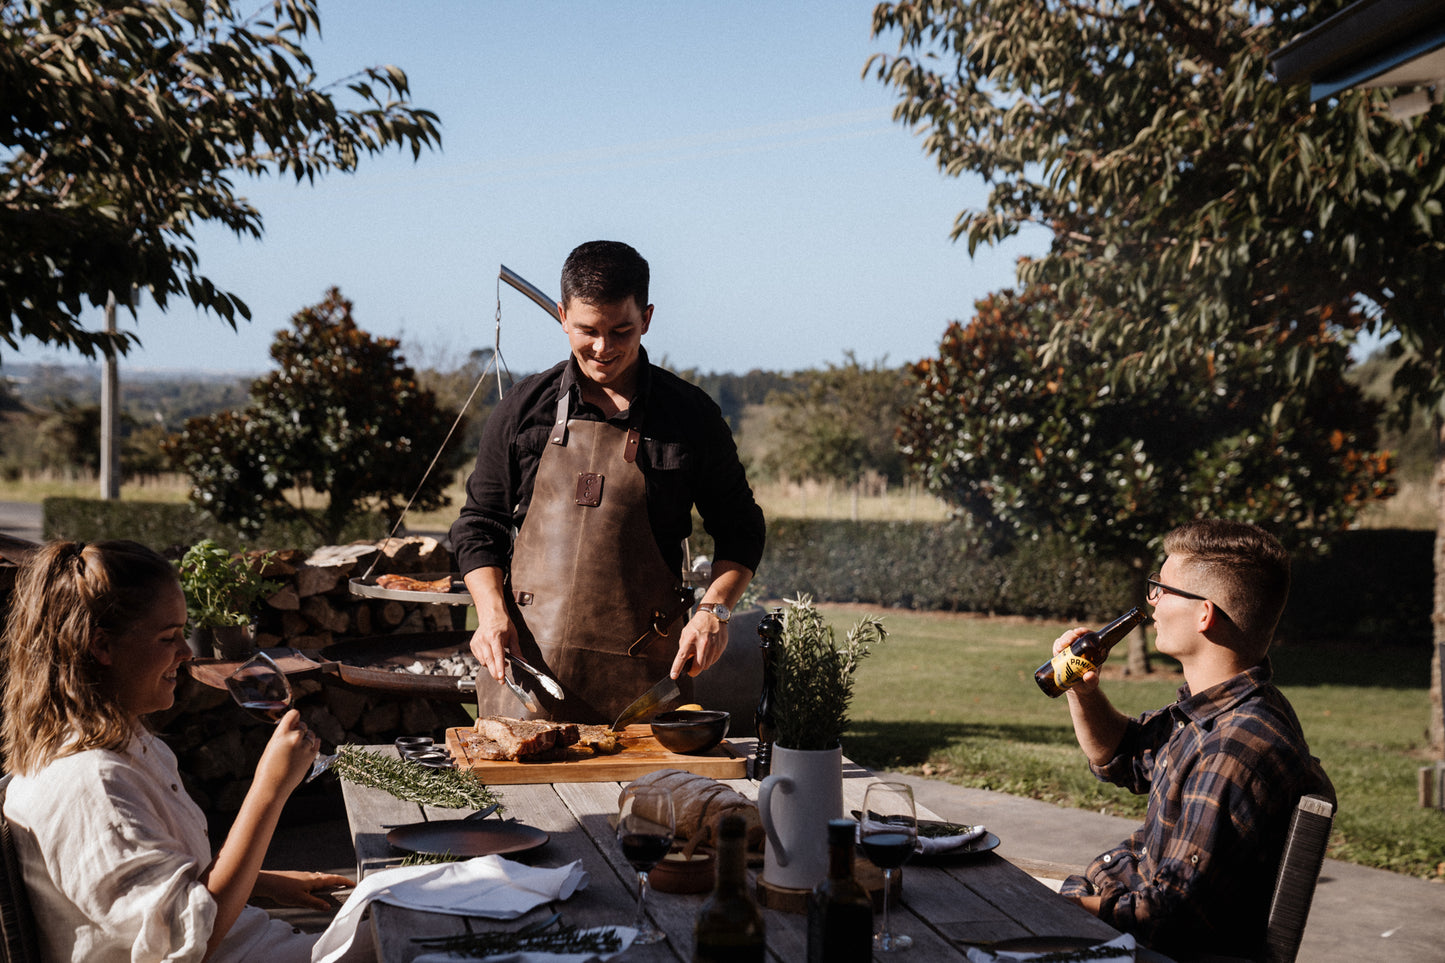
644,850
267,710
260,687
888,850
644,831
888,832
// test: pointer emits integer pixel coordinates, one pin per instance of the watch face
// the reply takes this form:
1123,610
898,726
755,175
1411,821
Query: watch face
721,611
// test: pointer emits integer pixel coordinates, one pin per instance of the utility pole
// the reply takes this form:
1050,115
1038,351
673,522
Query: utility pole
110,412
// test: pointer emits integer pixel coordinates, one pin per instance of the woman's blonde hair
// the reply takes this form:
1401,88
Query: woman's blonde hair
66,595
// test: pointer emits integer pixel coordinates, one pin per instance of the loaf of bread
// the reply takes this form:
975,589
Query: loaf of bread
698,803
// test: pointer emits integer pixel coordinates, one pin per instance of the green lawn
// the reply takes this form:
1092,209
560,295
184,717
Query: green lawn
953,697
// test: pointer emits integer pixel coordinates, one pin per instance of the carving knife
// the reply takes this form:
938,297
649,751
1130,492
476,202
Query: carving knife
650,702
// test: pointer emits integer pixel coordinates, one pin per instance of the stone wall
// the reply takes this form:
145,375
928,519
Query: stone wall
218,744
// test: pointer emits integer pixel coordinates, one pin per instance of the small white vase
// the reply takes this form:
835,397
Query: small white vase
795,803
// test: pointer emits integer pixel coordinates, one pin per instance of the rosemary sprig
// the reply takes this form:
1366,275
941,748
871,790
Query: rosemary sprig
446,788
1100,952
939,830
430,859
564,939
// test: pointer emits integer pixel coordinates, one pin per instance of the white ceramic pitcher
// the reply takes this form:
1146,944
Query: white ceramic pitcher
795,803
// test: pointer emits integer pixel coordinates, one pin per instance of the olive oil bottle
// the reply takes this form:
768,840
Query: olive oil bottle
729,926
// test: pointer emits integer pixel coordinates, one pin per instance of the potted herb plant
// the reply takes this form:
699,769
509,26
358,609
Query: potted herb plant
813,688
221,595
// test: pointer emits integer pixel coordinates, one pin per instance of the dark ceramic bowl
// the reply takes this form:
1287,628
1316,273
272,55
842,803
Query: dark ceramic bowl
690,731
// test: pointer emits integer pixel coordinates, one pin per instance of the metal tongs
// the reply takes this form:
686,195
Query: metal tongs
523,696
548,683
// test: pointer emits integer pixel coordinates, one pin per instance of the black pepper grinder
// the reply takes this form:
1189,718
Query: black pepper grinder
770,631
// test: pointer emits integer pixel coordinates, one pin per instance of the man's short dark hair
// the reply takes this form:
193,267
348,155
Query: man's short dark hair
1243,568
604,272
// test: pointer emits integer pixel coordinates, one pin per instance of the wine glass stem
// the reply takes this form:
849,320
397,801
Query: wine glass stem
887,903
641,922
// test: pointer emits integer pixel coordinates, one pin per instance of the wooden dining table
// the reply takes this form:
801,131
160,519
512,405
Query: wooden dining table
946,903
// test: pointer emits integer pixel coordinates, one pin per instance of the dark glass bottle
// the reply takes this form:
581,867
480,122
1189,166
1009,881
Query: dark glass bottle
729,926
1085,653
840,911
770,631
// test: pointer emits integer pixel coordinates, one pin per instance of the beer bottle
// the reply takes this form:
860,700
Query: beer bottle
729,926
1085,653
840,911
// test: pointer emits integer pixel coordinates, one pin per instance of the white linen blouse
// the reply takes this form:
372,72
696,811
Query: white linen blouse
113,850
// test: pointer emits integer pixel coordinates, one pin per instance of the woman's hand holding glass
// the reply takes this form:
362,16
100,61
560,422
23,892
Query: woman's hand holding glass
261,688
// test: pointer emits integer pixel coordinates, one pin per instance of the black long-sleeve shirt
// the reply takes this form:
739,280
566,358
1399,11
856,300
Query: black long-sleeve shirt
687,457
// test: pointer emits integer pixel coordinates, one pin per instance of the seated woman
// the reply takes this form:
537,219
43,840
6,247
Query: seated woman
114,853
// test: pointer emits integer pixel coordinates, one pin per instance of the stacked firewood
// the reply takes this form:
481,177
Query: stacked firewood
315,606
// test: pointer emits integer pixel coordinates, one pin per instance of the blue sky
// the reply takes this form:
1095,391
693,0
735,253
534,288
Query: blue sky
786,217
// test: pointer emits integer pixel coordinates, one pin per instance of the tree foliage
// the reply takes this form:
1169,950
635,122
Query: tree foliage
1034,438
122,127
1190,198
342,417
839,423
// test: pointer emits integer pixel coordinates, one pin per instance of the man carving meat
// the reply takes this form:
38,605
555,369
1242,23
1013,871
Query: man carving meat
597,464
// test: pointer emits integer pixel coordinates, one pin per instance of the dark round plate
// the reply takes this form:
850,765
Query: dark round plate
466,837
986,843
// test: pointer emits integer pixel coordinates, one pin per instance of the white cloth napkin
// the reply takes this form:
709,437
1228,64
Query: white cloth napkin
1124,944
626,932
933,845
485,886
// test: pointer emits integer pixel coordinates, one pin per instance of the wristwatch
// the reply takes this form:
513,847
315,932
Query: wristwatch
718,610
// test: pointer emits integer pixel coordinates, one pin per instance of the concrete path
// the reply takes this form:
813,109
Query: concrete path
21,519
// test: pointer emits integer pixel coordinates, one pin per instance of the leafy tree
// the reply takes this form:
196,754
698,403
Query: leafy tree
122,128
70,438
342,417
1034,446
838,424
1190,199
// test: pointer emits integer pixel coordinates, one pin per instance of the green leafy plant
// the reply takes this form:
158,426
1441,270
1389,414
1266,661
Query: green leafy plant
222,589
814,675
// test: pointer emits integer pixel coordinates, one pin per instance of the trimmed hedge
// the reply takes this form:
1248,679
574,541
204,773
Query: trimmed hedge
168,526
935,566
1372,586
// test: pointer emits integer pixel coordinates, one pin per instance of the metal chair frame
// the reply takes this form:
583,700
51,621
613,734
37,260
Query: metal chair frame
19,942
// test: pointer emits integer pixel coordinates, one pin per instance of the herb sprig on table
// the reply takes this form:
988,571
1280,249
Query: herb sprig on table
445,788
564,939
931,830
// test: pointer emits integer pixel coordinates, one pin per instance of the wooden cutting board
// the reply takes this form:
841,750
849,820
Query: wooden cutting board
640,754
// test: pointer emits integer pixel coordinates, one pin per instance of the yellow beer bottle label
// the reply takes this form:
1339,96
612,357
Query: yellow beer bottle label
1070,668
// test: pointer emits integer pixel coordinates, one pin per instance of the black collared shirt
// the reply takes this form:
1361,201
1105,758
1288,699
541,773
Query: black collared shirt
687,457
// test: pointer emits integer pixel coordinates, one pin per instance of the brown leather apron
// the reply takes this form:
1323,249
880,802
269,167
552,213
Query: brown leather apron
590,592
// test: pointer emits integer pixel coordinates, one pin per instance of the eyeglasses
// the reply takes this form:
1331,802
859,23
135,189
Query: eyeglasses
1158,588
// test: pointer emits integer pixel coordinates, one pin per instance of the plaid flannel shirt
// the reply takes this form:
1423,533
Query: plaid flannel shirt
1223,770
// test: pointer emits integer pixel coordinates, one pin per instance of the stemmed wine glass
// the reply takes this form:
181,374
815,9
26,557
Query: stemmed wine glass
888,833
260,687
644,830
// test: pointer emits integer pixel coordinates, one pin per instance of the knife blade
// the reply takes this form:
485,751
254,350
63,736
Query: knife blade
650,701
